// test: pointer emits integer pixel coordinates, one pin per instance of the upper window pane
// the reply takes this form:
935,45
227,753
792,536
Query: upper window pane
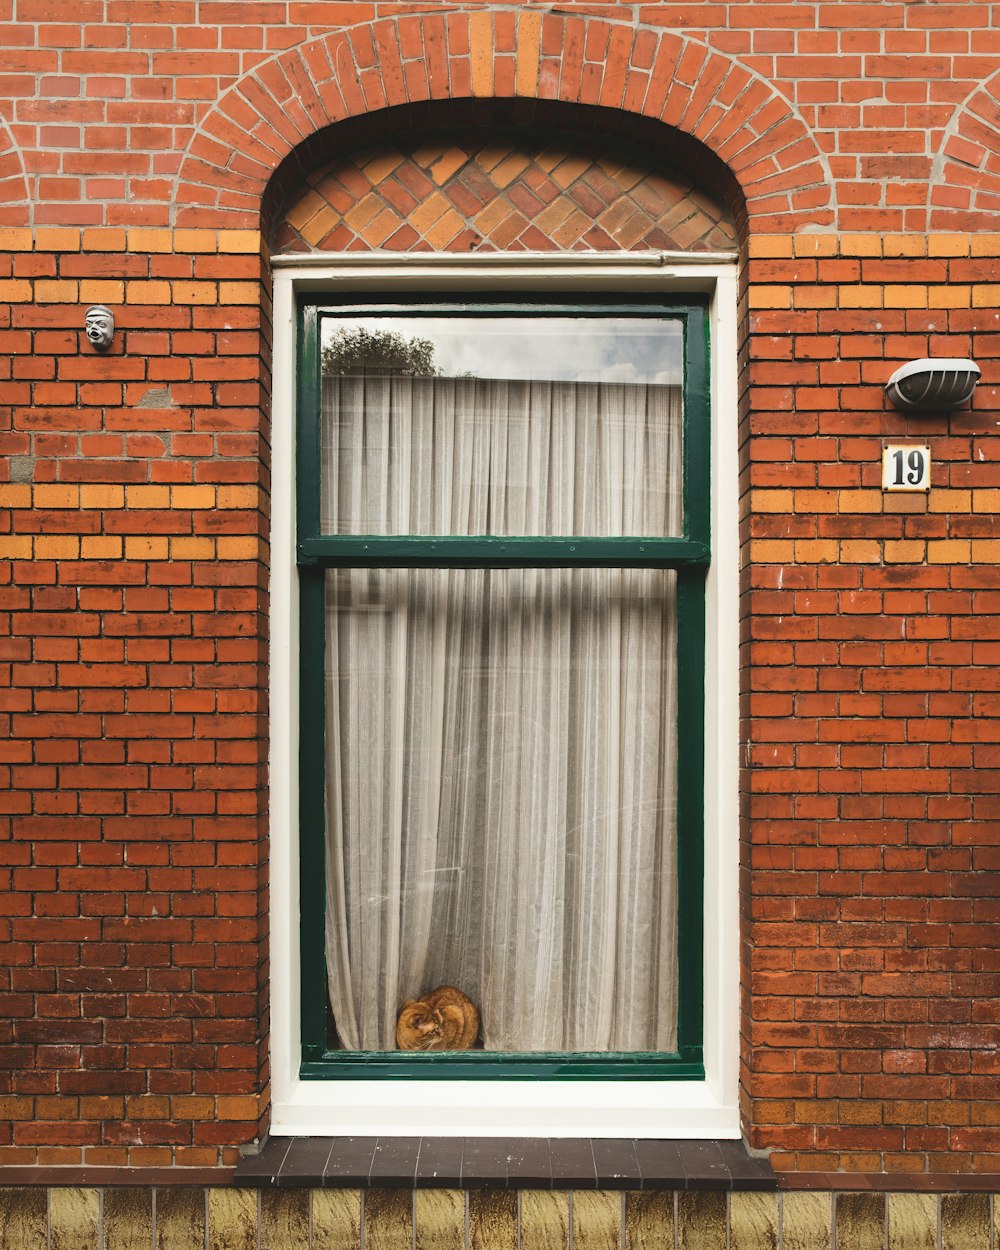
502,425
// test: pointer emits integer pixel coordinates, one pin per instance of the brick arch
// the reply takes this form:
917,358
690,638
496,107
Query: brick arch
273,115
964,187
15,203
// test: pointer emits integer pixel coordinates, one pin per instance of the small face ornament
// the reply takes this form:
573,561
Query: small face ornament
100,326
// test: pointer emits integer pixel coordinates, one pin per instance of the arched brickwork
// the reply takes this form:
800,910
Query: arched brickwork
15,206
499,192
964,188
279,107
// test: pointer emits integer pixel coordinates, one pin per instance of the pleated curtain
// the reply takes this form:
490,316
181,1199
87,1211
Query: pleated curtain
501,743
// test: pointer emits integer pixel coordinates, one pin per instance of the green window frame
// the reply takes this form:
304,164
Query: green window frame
688,555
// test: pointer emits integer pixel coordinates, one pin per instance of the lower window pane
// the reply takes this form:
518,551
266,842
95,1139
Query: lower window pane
501,782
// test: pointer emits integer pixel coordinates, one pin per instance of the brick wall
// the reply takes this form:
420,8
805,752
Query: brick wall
136,147
133,711
870,1026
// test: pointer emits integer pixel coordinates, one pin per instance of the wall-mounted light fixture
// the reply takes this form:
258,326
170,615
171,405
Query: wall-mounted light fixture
932,385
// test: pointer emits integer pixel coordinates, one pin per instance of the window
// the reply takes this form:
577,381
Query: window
503,540
320,1086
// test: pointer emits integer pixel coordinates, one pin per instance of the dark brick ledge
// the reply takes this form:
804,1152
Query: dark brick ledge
95,1176
893,1182
503,1163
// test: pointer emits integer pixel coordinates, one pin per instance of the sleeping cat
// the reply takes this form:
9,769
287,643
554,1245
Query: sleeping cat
443,1019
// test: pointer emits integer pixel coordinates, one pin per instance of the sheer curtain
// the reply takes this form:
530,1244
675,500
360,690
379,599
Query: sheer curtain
501,742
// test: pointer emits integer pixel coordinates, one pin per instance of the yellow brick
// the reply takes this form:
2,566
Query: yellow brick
949,551
904,551
74,1217
102,497
16,240
142,548
239,293
816,245
985,245
237,497
192,496
94,292
948,245
57,239
193,1107
545,1219
815,501
597,1218
439,1219
905,297
378,167
986,551
861,245
529,37
143,239
815,551
16,291
949,296
859,296
56,292
388,1220
985,500
867,501
860,551
912,1221
904,245
192,549
986,296
15,495
770,247
240,548
245,241
772,551
16,547
194,240
57,547
336,1216
238,1107
101,547
481,51
905,501
305,209
57,496
104,239
771,501
147,293
147,496
952,500
770,296
232,1220
193,292
318,227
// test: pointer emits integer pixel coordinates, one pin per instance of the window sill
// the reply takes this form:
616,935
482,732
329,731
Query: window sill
503,1163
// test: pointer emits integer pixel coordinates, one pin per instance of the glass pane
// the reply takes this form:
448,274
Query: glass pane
501,781
502,425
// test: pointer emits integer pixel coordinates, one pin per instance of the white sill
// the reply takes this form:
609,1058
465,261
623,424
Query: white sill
644,1109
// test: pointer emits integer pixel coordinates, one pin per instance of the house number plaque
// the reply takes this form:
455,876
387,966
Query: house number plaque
906,468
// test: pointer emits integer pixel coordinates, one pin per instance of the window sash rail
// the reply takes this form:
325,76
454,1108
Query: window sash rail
496,551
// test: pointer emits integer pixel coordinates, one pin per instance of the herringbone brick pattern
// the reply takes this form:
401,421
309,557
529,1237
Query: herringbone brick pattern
445,196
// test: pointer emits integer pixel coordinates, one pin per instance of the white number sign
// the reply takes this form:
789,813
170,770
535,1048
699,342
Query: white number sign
906,468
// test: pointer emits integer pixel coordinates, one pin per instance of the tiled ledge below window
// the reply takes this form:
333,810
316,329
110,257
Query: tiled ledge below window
499,1163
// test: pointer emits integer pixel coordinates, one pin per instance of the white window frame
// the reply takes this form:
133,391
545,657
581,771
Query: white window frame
508,1108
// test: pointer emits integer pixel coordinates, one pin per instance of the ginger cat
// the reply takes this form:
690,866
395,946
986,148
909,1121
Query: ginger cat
443,1019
